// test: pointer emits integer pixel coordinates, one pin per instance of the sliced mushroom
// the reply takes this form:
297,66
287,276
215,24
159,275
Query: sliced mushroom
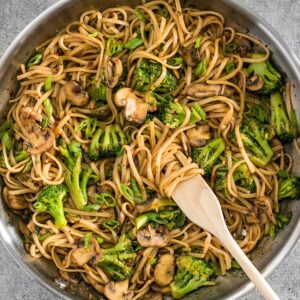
83,255
38,139
203,90
244,45
28,112
191,55
75,93
152,295
153,237
118,290
101,113
254,83
136,110
198,136
164,270
32,227
115,64
122,95
16,202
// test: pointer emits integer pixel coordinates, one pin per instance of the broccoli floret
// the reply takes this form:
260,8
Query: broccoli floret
289,187
266,72
171,219
107,142
191,274
220,184
50,200
174,114
69,152
72,180
88,126
96,91
284,129
148,72
253,138
117,262
259,113
207,155
281,221
21,155
243,178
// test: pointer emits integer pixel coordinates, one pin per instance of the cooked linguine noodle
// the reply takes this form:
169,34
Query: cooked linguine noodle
56,110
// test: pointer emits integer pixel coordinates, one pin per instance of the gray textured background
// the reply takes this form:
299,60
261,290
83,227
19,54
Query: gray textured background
283,15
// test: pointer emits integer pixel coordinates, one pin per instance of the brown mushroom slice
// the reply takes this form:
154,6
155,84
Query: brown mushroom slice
198,135
38,139
136,110
118,290
122,95
75,93
116,65
83,255
16,202
254,83
153,237
191,55
29,113
101,113
164,270
152,295
203,90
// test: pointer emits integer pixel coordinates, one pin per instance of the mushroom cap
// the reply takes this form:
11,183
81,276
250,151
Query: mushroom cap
203,90
191,55
82,255
118,290
122,95
136,110
254,83
197,136
117,70
75,93
153,237
164,270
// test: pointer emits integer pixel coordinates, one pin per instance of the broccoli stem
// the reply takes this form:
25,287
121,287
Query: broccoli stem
73,183
84,182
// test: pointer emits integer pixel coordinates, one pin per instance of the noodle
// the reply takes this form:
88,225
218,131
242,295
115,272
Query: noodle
156,157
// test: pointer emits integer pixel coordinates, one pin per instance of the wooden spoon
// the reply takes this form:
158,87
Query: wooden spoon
202,207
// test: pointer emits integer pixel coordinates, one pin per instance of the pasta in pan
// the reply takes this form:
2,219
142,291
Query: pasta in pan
113,113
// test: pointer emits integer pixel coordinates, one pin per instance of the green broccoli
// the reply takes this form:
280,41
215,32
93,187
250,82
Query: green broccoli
171,219
191,274
284,129
96,91
118,262
267,73
21,155
242,177
77,186
147,72
207,155
174,114
107,142
281,221
259,113
69,152
50,200
289,187
6,130
253,138
88,126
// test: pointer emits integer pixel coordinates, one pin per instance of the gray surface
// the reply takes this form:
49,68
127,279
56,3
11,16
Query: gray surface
283,15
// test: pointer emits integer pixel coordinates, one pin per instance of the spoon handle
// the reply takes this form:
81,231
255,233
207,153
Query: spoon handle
259,281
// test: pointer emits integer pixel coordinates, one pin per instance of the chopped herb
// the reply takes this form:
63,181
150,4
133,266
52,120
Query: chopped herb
7,140
127,192
35,60
87,240
113,46
48,107
107,198
175,61
231,48
229,67
44,122
140,14
111,224
93,35
45,236
164,12
201,69
92,207
198,42
152,261
100,240
48,83
133,43
28,167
